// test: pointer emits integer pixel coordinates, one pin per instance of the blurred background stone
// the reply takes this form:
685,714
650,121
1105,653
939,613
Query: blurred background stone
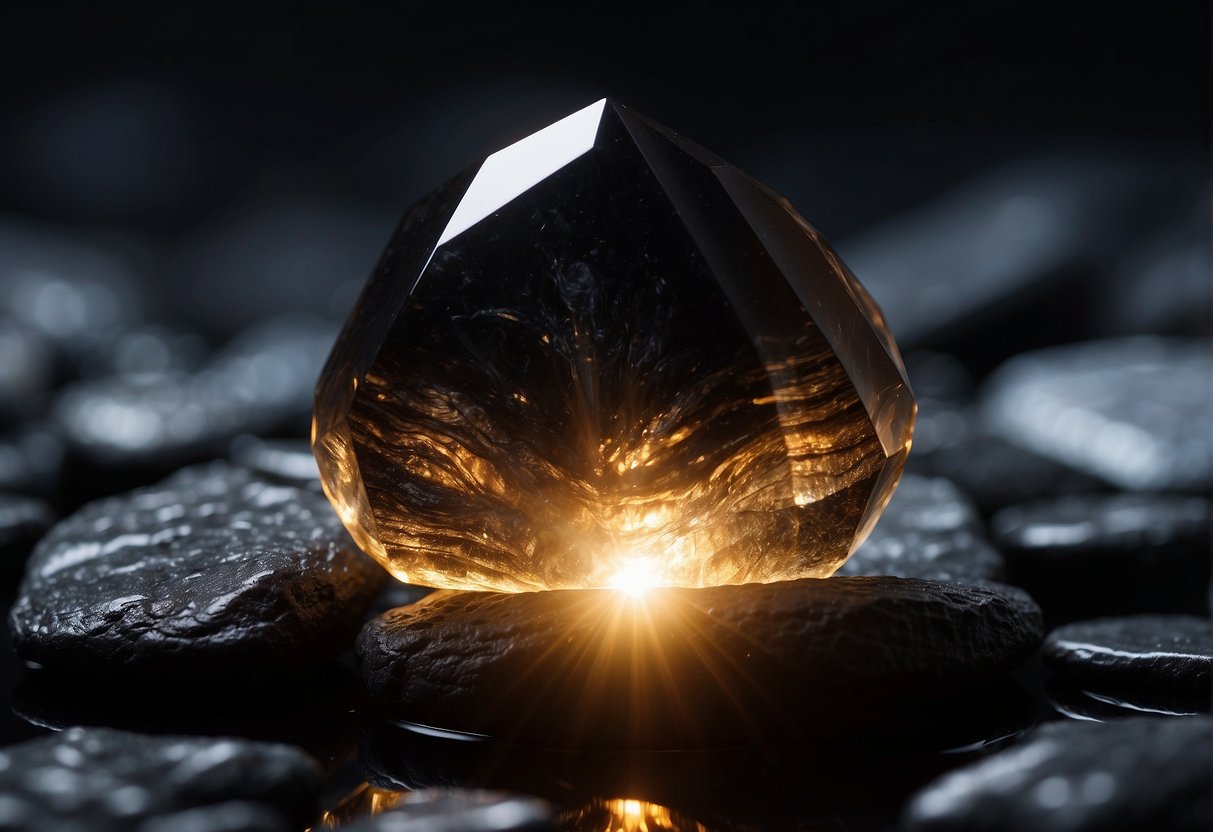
74,293
1082,556
1162,652
99,779
1142,773
1132,412
1007,261
929,530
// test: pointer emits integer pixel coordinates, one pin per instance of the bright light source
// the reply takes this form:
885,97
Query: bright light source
635,578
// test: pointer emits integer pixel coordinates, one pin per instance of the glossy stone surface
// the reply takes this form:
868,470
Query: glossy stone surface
602,355
213,571
1140,773
1168,652
930,530
1083,556
102,780
1133,411
844,656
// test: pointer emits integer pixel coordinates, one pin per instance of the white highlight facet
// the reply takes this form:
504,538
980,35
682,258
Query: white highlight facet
511,172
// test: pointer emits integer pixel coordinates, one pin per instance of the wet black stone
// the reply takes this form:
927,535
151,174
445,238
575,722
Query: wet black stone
461,810
281,460
212,575
97,779
1133,412
1140,773
1078,700
126,430
1170,652
929,530
22,521
1093,555
692,666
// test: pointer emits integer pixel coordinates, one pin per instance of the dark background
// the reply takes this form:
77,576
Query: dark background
172,125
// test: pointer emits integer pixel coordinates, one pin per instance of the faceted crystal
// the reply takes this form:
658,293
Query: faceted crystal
605,357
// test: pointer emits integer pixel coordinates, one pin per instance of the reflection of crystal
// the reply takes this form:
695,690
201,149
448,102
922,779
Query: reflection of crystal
605,352
627,815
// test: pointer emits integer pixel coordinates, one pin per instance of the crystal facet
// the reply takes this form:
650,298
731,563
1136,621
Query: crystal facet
606,357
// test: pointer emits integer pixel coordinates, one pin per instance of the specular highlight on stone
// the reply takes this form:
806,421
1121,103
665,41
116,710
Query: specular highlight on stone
606,357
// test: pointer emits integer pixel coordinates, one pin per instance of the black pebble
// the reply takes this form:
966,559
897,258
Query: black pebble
99,779
1097,555
1141,773
213,575
1167,652
544,666
1133,412
929,530
1084,701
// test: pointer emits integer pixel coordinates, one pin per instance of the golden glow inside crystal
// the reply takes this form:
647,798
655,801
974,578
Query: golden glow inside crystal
605,357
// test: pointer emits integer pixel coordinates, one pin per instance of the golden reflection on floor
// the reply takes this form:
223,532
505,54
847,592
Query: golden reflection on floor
626,815
612,815
364,801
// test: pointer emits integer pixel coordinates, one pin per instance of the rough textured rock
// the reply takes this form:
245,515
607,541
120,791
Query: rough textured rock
836,656
22,521
99,780
1096,555
213,574
929,530
1140,773
1133,411
460,810
1170,652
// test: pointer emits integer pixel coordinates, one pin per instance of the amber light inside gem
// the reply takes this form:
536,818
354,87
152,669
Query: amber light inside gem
605,357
